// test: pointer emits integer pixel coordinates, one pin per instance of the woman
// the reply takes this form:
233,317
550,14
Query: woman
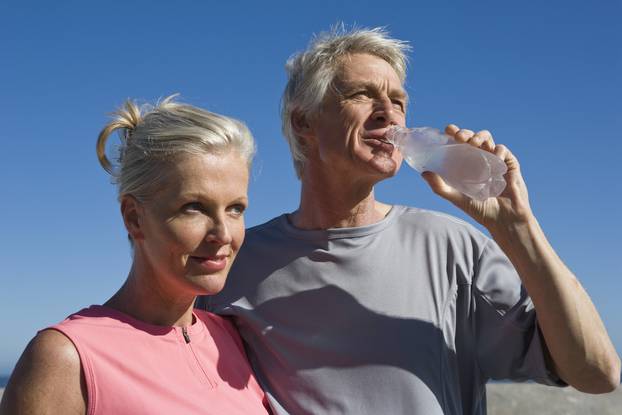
182,178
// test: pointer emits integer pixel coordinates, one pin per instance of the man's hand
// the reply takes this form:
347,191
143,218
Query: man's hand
510,208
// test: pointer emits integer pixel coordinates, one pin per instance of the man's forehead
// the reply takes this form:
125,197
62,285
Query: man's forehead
372,72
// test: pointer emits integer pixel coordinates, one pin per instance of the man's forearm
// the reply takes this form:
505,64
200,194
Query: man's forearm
574,333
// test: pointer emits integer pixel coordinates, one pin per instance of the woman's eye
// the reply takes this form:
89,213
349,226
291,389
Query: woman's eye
238,209
193,207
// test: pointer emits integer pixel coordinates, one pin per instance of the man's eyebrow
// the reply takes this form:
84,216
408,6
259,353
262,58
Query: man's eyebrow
344,87
399,93
348,86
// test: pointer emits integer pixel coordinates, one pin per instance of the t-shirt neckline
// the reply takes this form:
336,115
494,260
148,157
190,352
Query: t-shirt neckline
338,233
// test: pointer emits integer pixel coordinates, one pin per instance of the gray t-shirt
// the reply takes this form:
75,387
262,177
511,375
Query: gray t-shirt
410,315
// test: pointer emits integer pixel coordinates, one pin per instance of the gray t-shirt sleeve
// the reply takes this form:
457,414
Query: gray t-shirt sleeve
508,342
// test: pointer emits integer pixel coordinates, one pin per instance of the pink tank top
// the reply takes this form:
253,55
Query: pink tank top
132,367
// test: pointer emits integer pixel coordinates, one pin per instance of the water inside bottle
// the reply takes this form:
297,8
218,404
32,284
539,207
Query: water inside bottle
457,161
471,171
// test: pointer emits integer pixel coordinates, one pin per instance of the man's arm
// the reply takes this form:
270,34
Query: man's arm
47,379
573,331
575,336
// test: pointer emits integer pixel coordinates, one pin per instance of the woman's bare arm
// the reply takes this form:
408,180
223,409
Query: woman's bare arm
47,379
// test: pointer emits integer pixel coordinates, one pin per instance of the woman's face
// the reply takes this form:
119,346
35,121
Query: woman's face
192,228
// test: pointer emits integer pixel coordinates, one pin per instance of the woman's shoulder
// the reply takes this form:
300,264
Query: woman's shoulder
47,375
52,354
51,343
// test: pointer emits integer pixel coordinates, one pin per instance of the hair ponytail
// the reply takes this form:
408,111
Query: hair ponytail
127,119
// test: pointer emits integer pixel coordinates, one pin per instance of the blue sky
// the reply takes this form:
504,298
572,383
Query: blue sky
544,77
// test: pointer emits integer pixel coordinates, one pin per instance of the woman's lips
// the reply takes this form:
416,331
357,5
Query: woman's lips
211,263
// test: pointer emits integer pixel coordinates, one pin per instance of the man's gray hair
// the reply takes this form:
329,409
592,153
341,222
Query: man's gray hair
153,136
311,74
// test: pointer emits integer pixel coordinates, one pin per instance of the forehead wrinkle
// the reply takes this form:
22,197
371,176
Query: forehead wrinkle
220,184
379,82
341,87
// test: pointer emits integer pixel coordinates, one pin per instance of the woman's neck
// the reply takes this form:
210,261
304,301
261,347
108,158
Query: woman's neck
143,299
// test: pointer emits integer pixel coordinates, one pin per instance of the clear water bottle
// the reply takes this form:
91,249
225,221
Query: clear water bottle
470,170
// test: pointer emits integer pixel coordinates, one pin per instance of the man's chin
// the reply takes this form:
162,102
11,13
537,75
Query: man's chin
385,165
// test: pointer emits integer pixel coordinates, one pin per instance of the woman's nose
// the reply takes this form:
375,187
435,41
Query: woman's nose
219,233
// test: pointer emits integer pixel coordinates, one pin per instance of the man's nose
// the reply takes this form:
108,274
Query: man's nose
385,113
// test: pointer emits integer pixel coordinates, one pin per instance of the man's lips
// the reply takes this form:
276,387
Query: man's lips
377,138
379,134
211,263
379,144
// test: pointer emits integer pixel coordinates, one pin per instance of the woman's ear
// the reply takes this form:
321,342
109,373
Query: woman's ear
132,212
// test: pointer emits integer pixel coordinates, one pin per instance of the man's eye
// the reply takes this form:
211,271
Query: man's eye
399,105
359,94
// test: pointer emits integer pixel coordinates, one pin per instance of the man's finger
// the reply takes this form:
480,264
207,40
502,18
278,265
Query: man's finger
441,188
477,140
488,143
452,129
501,151
464,135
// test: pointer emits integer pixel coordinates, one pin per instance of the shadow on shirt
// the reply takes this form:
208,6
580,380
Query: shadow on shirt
289,337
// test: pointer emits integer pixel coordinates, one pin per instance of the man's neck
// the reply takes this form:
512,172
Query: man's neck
326,204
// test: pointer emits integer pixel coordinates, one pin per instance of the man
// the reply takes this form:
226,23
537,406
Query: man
349,305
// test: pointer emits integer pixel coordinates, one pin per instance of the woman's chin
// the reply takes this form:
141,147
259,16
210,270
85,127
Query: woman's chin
208,284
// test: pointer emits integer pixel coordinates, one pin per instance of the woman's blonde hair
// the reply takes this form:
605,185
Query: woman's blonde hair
153,136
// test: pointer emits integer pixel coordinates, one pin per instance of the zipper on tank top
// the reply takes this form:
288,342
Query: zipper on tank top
212,383
184,332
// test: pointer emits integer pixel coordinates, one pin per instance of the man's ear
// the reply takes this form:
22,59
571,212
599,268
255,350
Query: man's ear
132,212
301,125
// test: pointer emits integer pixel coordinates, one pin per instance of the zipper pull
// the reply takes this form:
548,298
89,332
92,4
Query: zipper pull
186,336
